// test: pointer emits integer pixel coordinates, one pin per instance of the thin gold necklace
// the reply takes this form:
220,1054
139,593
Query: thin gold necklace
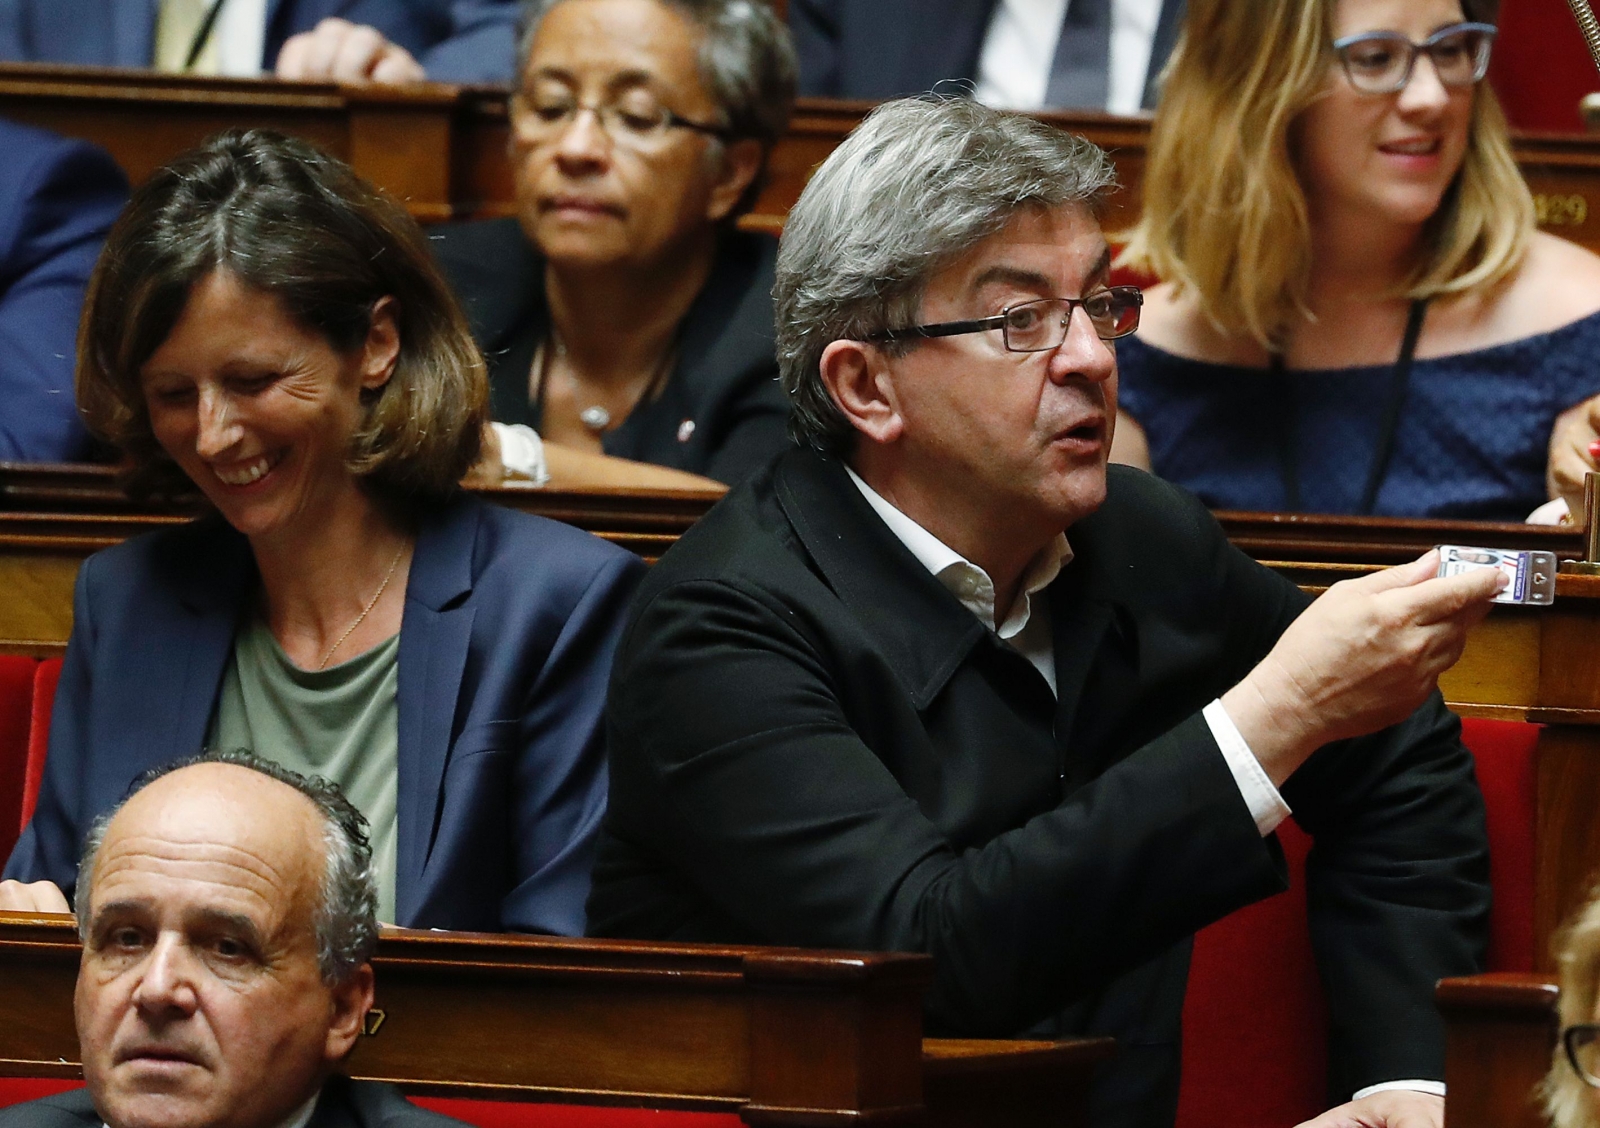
367,610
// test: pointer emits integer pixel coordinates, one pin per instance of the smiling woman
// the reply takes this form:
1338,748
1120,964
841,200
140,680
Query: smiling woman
269,330
1357,314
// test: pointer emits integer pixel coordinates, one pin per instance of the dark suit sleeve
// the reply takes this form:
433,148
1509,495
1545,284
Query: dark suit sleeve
58,208
1398,891
560,775
481,46
815,27
1397,880
48,848
733,757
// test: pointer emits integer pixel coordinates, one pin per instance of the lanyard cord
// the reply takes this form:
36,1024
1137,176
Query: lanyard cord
1289,412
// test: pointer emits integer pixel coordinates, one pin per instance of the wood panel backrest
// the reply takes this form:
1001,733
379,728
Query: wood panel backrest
442,149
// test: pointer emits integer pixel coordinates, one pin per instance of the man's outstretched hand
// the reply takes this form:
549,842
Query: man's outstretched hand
1362,657
1392,1108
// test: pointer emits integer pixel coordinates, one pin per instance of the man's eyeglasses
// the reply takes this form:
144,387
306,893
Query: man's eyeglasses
1381,62
1582,1043
638,124
1039,326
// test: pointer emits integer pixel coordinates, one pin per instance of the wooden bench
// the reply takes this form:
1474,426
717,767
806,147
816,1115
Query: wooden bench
777,1036
442,149
1500,1033
1522,664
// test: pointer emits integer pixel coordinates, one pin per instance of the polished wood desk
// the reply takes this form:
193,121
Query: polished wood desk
442,149
779,1036
1524,664
1500,1031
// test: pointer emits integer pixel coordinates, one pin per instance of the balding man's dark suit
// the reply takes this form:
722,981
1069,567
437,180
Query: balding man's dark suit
343,1104
814,743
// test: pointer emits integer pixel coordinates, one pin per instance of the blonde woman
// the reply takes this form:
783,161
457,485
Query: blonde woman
1572,1088
1358,315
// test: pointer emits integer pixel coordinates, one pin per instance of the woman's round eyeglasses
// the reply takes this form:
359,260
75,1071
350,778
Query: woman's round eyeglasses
1381,62
1582,1042
1041,325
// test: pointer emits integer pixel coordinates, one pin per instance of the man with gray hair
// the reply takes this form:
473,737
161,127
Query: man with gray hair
227,912
940,681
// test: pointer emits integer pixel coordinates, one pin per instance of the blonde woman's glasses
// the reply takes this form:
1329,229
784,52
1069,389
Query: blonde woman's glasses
1381,62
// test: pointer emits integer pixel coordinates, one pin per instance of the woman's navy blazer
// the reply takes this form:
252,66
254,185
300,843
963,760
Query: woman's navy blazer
506,644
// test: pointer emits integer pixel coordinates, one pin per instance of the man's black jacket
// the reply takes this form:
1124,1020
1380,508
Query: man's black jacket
814,743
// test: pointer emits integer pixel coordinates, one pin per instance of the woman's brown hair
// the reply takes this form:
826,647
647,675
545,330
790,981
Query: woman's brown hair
293,222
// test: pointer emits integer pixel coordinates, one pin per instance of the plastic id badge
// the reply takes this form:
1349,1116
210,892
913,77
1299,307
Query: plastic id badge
1531,576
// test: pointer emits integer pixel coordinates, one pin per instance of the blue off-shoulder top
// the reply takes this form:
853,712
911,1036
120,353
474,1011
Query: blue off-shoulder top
1472,439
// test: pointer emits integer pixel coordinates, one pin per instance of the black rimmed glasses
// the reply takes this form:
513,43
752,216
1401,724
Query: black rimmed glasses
1381,62
1041,325
637,123
1582,1043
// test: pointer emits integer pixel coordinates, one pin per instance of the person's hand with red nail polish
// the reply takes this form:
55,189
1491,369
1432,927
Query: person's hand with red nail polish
1574,452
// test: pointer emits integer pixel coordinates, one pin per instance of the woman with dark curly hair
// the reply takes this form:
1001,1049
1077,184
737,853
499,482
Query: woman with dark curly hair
270,331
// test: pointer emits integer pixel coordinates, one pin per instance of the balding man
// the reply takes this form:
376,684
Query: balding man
228,921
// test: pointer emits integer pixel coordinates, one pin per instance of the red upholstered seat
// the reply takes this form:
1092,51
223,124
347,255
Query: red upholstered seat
1541,68
15,1090
17,674
1254,1020
44,696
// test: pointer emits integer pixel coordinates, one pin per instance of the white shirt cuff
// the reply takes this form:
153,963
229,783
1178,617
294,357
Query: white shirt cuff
1436,1088
1266,805
521,452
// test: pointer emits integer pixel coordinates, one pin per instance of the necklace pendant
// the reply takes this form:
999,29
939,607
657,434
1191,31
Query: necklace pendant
595,418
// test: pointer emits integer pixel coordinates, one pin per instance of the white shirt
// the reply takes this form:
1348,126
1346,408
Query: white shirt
1027,628
1014,65
233,47
241,35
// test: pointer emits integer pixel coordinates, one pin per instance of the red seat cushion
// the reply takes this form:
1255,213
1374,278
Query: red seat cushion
15,1090
16,715
1504,753
1254,1019
44,696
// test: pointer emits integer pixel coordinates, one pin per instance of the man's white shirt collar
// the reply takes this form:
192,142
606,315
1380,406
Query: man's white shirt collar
960,576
